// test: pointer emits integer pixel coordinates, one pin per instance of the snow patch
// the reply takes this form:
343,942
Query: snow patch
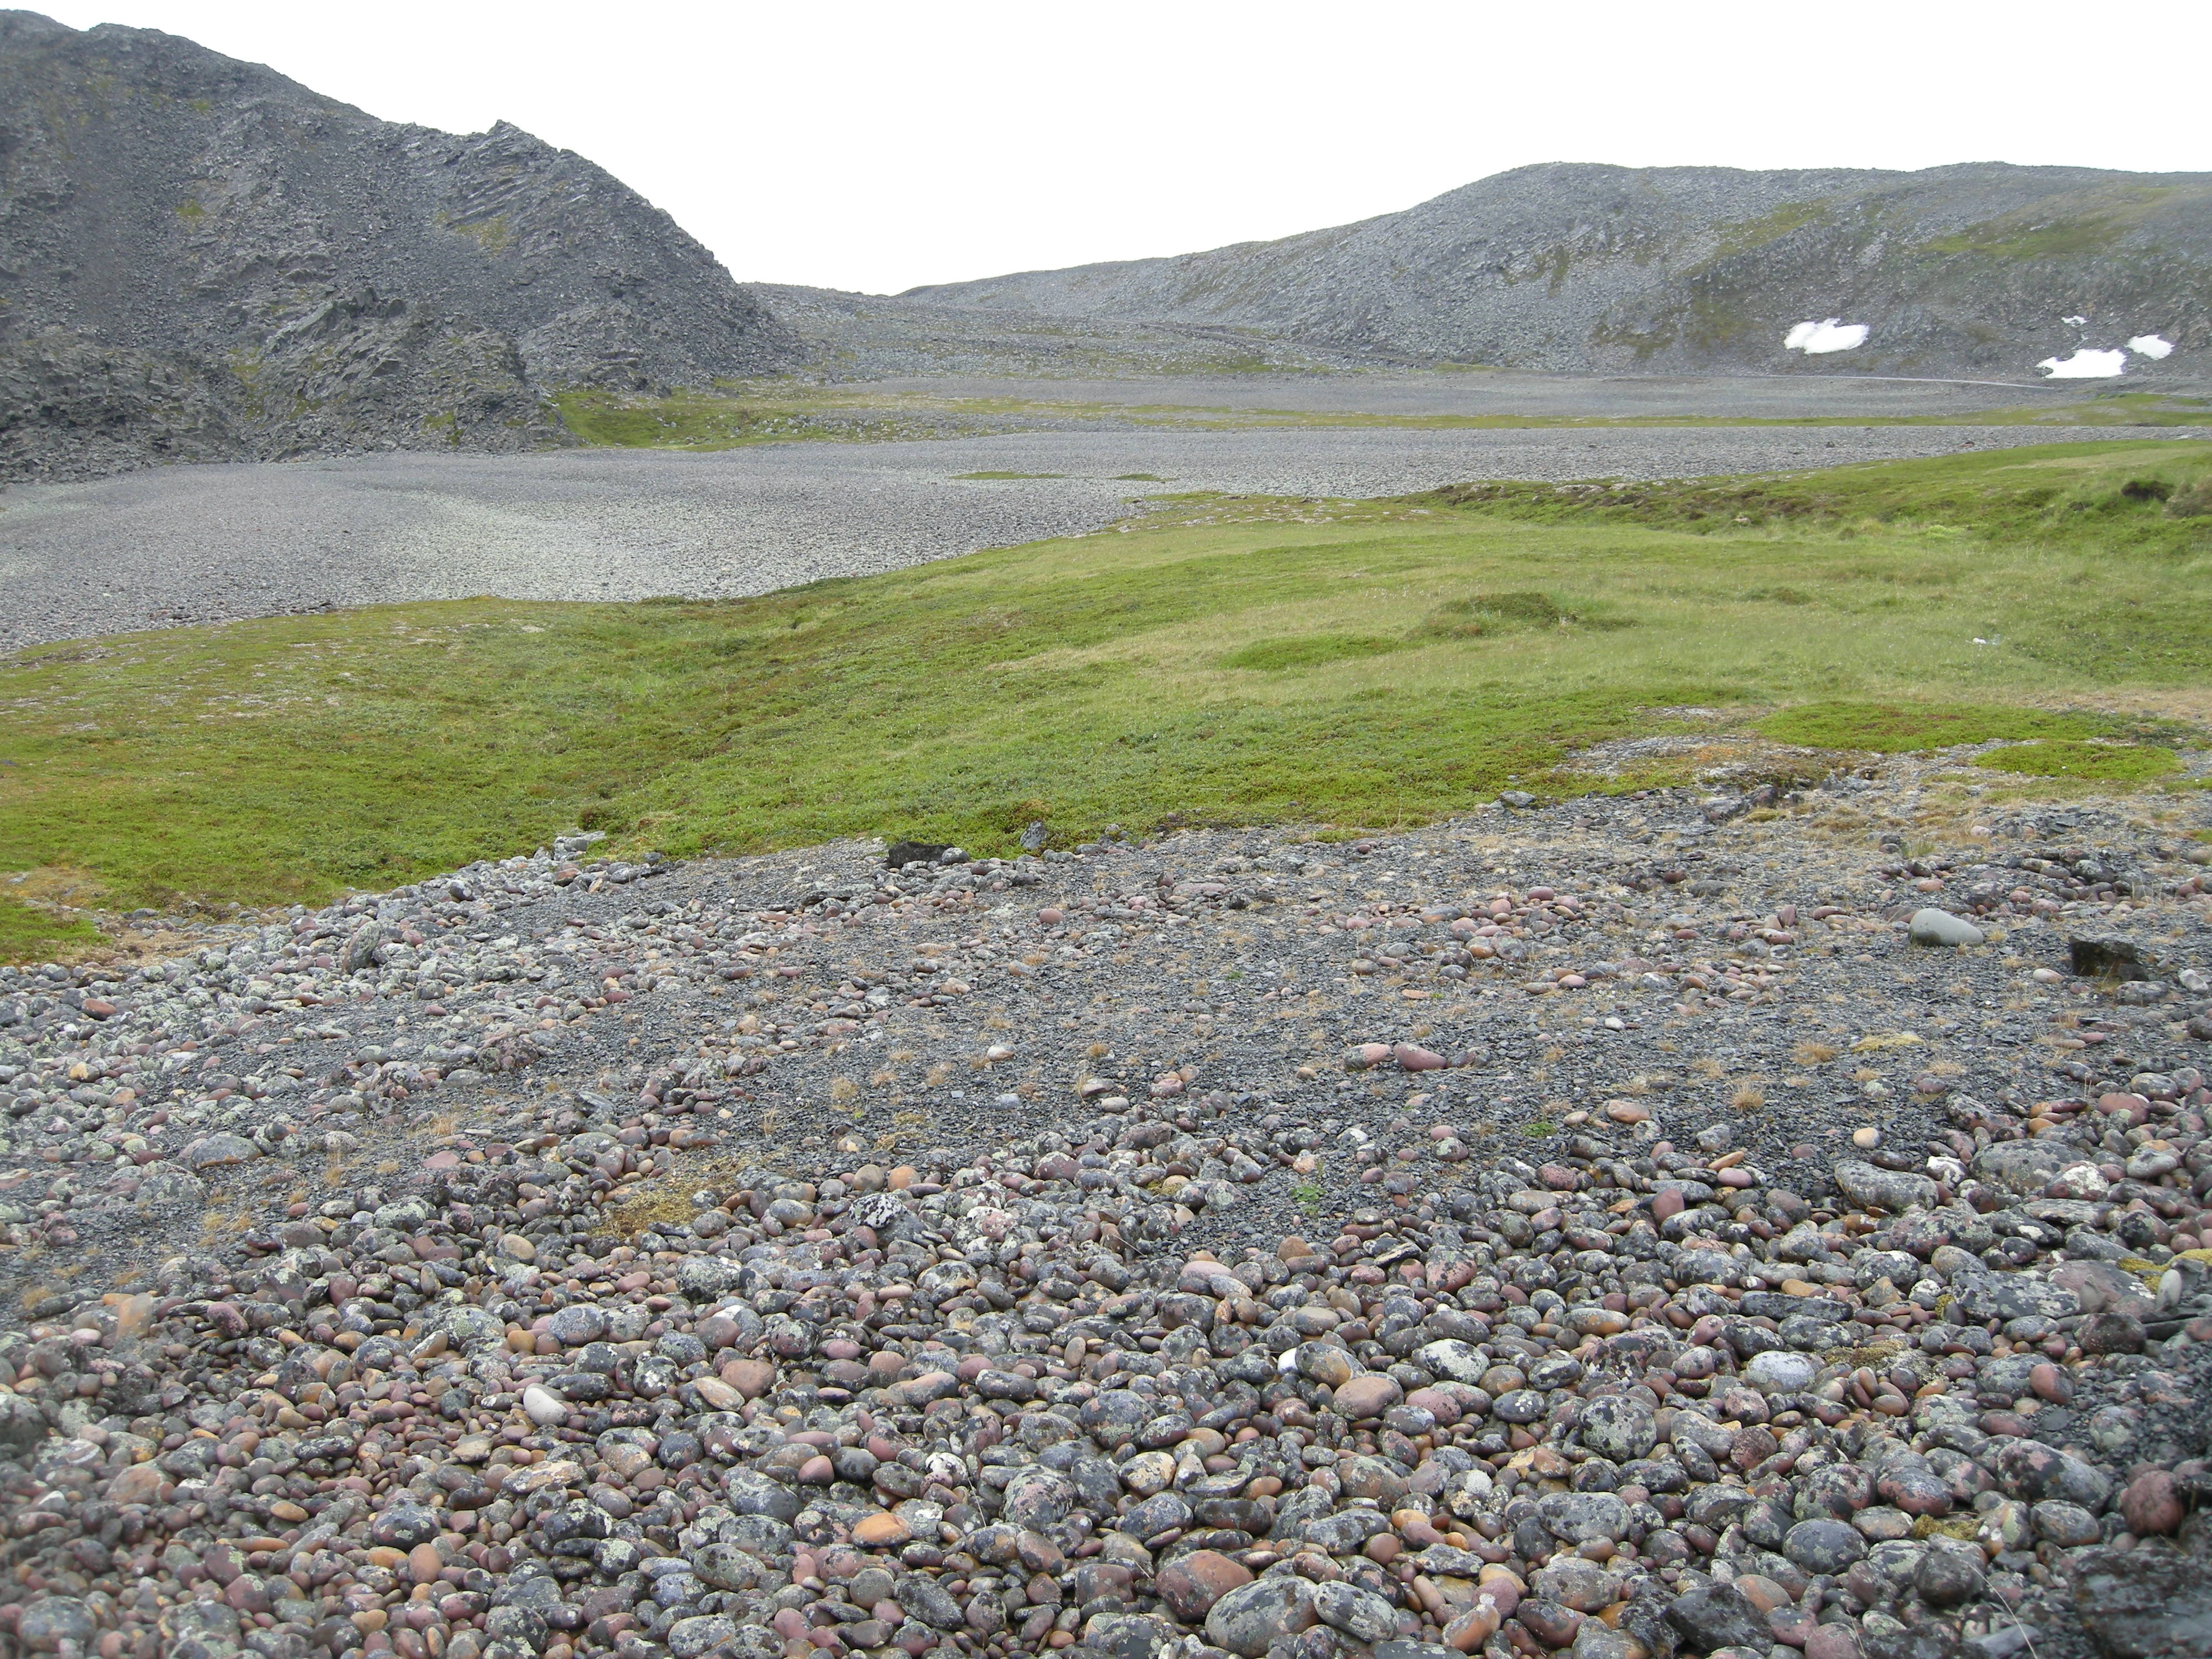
2086,365
1815,339
2075,322
2151,345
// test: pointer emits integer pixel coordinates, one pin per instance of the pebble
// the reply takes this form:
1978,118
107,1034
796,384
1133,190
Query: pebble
1930,926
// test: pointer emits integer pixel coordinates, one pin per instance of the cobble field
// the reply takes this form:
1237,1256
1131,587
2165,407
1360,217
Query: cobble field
1678,1224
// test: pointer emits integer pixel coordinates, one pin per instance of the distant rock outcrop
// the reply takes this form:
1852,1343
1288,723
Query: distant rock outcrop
201,259
1982,270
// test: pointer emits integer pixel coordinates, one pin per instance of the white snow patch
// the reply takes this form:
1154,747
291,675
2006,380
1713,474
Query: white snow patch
2075,322
2086,365
2151,345
1815,339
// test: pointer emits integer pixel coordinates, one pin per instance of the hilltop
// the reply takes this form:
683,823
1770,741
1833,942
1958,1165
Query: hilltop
1955,270
206,261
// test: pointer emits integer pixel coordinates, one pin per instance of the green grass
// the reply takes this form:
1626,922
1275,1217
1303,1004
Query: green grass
2102,763
1896,728
1309,651
30,934
713,420
1493,614
1233,661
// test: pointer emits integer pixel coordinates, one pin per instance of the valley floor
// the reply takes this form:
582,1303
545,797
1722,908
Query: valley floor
212,543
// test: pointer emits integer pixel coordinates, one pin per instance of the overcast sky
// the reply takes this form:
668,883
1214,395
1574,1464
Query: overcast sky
871,146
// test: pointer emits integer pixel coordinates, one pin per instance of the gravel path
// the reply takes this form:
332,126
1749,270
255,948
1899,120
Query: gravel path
202,544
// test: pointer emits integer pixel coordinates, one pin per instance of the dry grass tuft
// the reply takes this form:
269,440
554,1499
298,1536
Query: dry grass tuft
646,1205
1812,1054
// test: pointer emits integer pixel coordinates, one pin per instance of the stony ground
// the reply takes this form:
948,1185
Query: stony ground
1816,393
210,544
1595,1228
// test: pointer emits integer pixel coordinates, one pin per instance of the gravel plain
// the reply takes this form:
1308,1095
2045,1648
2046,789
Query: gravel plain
1811,395
207,543
1595,1230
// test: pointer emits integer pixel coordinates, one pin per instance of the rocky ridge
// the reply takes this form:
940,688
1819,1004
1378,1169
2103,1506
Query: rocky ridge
1226,1244
206,261
1978,269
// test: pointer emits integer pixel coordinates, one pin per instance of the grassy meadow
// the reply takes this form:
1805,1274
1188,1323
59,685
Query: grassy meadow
1244,660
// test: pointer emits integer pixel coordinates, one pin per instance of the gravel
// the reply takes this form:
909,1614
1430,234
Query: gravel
1514,393
209,544
1595,1228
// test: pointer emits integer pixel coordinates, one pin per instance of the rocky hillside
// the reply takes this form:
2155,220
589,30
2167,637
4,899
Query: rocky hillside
1970,270
201,259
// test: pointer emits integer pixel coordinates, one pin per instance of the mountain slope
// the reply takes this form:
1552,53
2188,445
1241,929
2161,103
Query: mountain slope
201,259
1959,270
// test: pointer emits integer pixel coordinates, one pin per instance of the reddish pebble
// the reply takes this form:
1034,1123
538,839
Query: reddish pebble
2151,1504
1051,915
1667,1204
2051,1384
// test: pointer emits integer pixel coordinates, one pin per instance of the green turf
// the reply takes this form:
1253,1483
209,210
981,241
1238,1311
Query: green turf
1896,728
1097,679
2103,763
30,934
1309,651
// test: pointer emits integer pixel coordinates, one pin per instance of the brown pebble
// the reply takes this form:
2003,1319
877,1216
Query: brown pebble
2151,1504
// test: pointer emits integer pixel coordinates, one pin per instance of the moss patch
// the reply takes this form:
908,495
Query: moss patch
1310,651
2103,763
1490,614
1898,728
28,934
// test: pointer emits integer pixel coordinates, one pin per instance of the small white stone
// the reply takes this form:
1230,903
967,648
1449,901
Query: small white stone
543,1407
1940,928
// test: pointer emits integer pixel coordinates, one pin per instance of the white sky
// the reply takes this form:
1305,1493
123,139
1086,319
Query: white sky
873,146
